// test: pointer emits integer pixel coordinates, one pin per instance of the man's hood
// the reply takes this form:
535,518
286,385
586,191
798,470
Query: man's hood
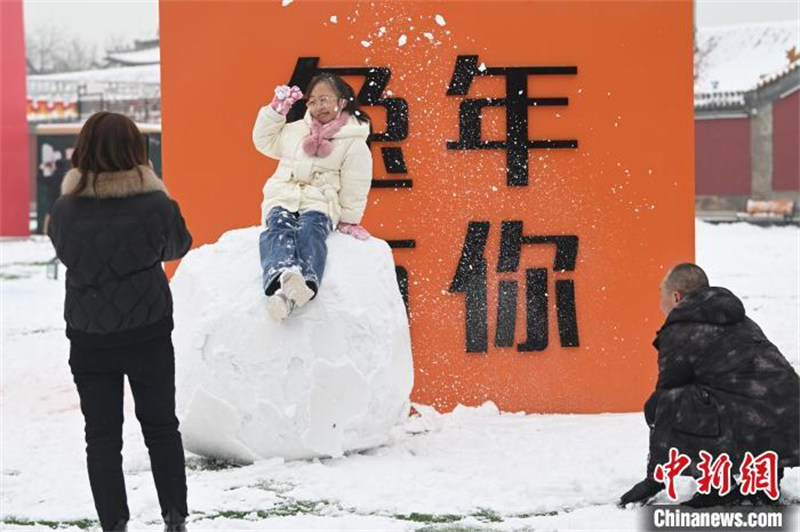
714,305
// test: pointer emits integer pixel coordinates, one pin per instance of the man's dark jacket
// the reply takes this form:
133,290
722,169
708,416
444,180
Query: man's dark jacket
722,386
112,237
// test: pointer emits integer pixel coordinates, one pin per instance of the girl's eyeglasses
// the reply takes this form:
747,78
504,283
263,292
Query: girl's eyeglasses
322,101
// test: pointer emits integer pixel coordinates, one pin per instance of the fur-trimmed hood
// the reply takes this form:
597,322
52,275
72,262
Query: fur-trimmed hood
120,184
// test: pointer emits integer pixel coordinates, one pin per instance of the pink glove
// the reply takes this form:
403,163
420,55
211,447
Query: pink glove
353,230
285,98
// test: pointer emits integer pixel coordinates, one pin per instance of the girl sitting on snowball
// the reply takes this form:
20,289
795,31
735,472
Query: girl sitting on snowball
321,182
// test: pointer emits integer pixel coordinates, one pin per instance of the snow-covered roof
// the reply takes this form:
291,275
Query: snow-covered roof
737,57
132,74
778,75
148,56
112,83
719,100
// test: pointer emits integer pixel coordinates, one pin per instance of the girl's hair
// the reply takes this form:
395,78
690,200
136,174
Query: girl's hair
108,142
344,91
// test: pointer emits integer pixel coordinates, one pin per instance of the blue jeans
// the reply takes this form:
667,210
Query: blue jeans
294,239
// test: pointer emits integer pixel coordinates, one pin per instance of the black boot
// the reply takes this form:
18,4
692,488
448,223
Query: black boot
121,526
174,521
707,500
762,499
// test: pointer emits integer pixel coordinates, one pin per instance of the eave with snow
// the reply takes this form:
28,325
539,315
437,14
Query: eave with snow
147,56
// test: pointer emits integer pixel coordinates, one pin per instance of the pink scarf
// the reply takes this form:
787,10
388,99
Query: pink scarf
318,144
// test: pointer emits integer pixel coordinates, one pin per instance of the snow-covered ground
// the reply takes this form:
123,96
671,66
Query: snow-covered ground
471,469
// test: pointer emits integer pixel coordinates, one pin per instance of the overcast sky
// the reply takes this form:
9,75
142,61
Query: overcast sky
98,20
718,12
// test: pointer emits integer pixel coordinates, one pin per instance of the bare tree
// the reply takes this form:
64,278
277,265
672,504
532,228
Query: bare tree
41,45
50,49
76,55
116,43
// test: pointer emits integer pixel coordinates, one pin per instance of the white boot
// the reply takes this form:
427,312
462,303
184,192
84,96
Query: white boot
279,305
294,286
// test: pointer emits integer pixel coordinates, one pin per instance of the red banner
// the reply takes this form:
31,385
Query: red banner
14,192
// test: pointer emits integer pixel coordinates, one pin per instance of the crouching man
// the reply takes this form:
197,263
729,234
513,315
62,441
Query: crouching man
722,387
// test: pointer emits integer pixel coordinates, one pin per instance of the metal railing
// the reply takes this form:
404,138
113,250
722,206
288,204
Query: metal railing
139,100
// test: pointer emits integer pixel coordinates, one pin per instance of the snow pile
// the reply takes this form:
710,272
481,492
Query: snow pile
736,57
336,376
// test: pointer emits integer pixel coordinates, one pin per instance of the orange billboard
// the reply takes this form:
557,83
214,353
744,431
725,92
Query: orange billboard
533,171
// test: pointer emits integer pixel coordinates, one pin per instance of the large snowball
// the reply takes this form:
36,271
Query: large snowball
333,377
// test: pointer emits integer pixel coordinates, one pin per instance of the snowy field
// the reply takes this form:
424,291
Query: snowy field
473,469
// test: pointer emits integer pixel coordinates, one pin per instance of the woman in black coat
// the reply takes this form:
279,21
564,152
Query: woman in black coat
112,228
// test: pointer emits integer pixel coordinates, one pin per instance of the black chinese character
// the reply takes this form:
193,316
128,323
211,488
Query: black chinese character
516,103
471,280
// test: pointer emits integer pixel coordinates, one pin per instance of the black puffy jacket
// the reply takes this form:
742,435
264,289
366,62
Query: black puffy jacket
723,387
112,237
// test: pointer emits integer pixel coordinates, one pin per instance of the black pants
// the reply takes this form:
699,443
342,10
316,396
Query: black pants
98,374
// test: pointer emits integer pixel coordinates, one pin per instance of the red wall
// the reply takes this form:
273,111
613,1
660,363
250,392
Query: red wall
14,194
785,142
722,156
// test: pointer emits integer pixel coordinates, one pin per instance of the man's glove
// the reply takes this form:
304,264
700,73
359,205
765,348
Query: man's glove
641,492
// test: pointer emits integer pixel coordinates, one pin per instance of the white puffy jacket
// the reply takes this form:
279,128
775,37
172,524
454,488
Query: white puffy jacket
336,185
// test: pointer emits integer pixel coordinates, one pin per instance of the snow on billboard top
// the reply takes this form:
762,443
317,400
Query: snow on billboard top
533,171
